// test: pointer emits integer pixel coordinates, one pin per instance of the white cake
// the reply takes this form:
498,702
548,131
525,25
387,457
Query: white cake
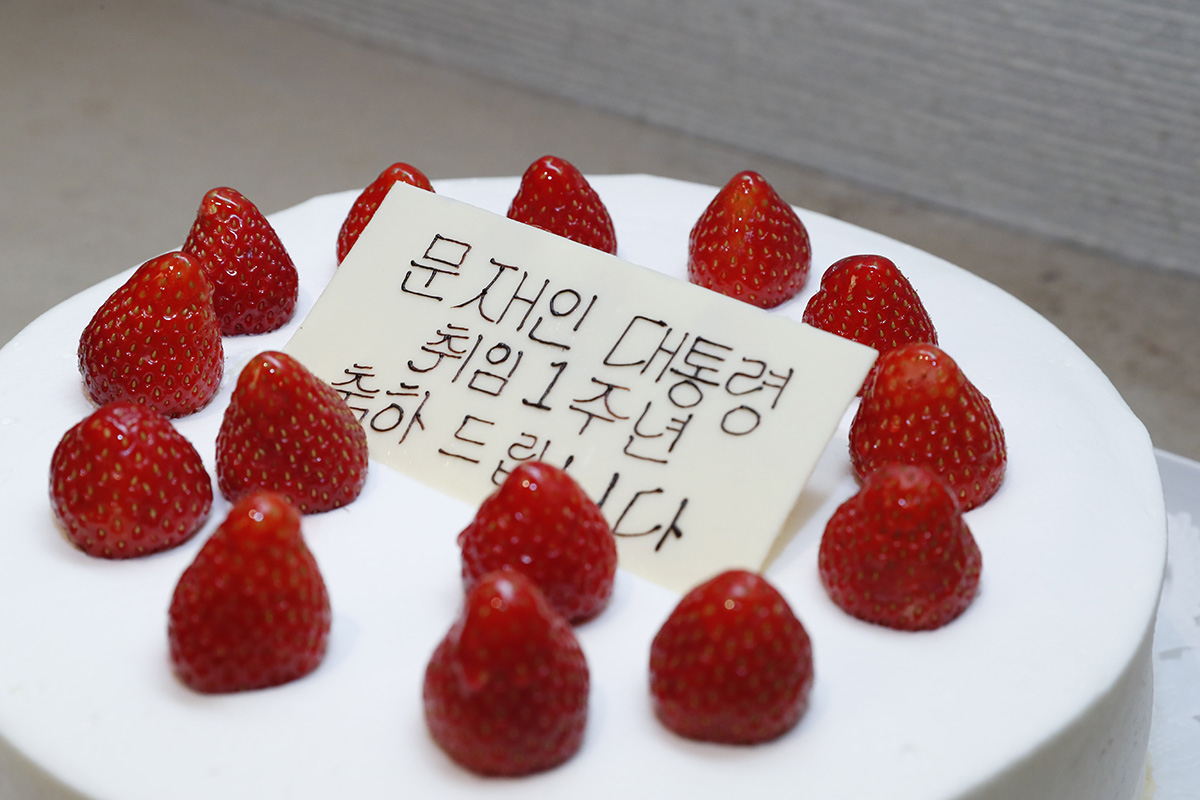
1042,689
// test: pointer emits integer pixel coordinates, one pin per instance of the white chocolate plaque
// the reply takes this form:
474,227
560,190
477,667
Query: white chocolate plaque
467,343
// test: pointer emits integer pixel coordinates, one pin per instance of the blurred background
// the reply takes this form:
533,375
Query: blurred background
1050,146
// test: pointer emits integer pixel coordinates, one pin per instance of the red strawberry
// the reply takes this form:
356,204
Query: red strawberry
364,207
749,244
541,522
252,610
155,341
919,408
732,664
865,298
898,553
287,431
555,197
506,692
254,280
125,483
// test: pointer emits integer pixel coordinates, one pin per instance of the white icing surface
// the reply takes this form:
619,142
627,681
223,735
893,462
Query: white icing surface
1041,689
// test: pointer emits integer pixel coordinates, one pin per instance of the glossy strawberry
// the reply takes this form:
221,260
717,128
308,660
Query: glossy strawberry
364,207
898,553
732,663
124,483
919,408
287,431
556,197
506,691
867,299
254,281
155,341
749,244
252,610
542,523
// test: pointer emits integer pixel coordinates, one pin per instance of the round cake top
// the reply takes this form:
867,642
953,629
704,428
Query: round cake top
1056,642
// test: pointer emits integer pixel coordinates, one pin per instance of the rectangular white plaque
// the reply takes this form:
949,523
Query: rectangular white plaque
467,343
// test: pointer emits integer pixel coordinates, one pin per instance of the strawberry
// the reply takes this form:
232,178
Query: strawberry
506,691
555,197
732,664
542,523
898,553
155,341
749,244
867,299
919,408
254,280
125,483
364,207
252,610
287,431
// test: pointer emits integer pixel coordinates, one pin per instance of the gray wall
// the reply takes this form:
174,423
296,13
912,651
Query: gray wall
1079,119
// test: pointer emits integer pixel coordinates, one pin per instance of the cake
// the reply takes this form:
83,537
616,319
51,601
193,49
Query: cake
1043,688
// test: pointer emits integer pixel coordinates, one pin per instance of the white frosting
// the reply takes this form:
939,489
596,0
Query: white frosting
1041,689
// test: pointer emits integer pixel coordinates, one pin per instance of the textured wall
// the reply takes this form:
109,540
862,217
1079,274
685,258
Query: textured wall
1075,118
